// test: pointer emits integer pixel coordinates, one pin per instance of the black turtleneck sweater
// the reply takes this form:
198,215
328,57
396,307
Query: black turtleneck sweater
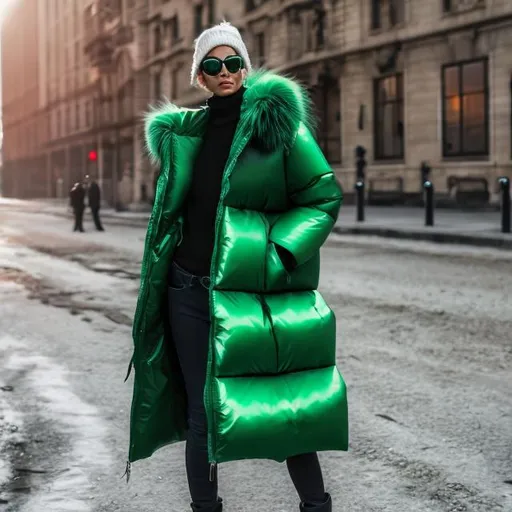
195,251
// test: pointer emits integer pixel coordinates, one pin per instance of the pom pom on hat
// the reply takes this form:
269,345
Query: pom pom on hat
223,34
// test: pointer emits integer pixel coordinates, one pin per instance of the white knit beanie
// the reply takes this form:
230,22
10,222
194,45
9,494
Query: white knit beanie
223,34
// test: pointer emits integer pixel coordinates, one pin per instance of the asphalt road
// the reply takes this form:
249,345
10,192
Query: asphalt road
424,343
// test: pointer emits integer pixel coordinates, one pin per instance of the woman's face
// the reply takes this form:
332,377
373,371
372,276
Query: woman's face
225,83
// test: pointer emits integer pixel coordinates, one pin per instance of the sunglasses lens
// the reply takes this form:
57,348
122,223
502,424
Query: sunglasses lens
233,63
212,66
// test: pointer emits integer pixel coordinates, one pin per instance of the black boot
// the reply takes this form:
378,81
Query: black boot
217,507
326,506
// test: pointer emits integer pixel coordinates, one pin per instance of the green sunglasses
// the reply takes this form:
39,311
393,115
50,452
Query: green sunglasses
212,65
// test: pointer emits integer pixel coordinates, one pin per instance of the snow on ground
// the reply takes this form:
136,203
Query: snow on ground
11,421
80,421
423,342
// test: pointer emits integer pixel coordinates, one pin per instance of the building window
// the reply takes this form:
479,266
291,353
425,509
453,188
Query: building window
387,13
157,85
457,6
211,12
198,19
389,118
157,40
58,124
175,29
259,48
77,115
175,83
88,114
465,109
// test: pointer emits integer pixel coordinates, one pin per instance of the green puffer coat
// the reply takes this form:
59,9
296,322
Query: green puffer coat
273,389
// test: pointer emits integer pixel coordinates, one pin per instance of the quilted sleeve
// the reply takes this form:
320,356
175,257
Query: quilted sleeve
316,198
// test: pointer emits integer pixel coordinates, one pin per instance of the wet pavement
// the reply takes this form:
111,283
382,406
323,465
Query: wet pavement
424,342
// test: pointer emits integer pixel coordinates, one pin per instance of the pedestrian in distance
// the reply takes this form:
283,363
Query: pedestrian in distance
94,200
234,347
77,202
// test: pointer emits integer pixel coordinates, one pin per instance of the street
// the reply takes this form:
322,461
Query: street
424,343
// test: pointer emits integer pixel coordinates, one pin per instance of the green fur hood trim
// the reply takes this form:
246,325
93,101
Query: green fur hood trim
273,108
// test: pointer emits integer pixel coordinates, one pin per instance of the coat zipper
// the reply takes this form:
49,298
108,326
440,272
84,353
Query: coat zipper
210,394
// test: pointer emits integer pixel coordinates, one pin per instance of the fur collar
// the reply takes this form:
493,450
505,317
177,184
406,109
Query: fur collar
273,108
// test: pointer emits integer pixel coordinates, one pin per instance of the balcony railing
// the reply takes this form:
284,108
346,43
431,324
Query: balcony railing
95,30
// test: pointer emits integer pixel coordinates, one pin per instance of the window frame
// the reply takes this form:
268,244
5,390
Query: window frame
375,15
387,14
447,6
198,19
260,40
157,39
463,153
157,85
399,101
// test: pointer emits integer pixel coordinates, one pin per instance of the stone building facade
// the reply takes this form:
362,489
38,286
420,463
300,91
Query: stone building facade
66,112
411,81
23,127
166,41
431,83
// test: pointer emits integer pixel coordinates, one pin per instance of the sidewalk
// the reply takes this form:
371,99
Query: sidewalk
479,228
61,208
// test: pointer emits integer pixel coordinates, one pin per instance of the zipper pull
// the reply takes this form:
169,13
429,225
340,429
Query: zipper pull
128,471
180,222
213,467
129,369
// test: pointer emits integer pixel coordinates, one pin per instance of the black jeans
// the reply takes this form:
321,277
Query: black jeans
78,212
189,316
96,218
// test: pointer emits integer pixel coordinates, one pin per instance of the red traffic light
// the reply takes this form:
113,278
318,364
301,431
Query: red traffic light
93,155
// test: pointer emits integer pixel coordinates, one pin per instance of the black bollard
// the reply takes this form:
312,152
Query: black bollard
425,171
359,186
505,204
360,200
429,203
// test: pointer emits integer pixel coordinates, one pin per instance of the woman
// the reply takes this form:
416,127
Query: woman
234,347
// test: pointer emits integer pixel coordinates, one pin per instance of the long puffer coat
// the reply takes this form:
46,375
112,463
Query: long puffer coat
273,389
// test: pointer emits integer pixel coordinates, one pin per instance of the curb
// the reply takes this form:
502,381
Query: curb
495,242
112,218
437,237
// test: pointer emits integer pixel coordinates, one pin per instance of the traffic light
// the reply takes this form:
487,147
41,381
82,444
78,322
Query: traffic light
93,155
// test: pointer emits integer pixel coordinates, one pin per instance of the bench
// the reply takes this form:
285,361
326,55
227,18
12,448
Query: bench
469,190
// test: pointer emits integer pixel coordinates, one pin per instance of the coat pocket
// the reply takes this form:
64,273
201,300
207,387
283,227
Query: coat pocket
276,275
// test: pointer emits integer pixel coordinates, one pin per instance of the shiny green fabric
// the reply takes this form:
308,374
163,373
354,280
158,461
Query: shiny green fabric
273,389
